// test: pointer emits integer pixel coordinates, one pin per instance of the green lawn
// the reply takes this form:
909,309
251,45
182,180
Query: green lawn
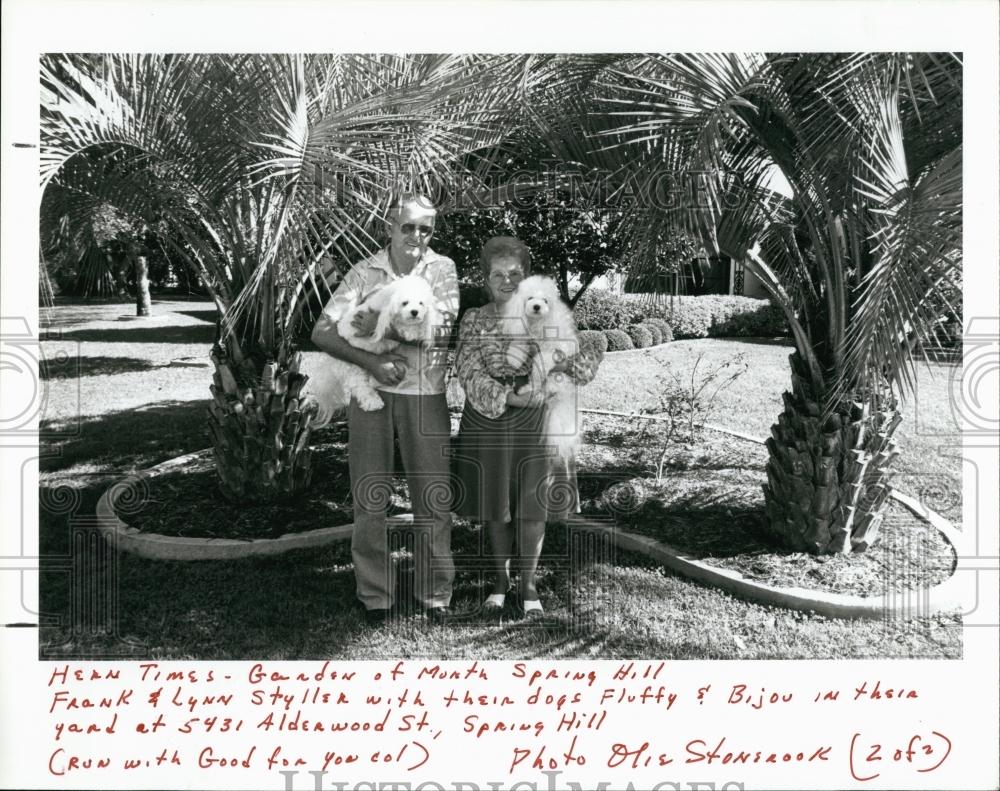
131,394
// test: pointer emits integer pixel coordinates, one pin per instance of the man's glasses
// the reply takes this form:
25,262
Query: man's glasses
408,228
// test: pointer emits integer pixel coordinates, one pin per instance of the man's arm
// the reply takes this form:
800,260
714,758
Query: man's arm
388,368
326,336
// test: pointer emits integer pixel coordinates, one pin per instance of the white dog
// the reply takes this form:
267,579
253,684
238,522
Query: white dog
408,306
536,310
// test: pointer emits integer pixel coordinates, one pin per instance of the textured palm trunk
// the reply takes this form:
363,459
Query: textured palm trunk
260,429
827,486
143,302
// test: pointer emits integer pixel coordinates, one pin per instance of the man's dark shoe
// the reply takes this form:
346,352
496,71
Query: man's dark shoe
439,615
376,617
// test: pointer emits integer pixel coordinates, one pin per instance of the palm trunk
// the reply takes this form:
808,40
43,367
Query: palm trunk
260,430
827,484
142,299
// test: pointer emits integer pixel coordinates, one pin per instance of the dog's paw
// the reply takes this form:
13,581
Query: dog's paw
370,401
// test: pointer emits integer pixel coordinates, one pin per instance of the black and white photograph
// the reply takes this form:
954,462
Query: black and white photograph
452,354
647,353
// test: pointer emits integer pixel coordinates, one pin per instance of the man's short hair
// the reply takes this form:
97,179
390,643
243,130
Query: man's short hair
500,246
405,199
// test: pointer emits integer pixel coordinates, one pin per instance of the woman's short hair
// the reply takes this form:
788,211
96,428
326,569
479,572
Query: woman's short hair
502,246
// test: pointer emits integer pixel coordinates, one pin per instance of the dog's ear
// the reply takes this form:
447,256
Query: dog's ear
386,315
432,320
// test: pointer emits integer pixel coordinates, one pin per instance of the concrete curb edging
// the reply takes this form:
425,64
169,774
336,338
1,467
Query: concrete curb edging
945,596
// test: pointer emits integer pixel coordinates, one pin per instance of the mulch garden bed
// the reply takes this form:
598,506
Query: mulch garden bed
708,504
186,500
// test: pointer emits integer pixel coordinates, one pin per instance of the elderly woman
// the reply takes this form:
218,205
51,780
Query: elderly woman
506,475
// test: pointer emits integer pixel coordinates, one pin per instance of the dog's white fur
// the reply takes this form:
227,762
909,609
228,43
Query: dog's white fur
408,306
536,310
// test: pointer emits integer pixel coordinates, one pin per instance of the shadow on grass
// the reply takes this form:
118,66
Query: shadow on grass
62,317
129,439
211,315
74,368
294,606
193,333
760,341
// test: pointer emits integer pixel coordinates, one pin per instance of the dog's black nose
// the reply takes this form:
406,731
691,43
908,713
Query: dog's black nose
414,312
536,308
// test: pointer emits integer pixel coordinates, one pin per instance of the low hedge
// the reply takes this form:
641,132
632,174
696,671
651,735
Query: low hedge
692,321
593,339
666,333
654,331
640,336
599,309
618,340
766,321
710,315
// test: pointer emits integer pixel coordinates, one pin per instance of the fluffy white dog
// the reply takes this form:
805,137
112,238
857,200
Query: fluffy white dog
536,310
408,306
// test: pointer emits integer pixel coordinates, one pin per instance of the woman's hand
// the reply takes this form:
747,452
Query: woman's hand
526,396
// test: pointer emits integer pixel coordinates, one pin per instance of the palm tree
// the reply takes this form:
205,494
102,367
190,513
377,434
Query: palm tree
258,168
871,145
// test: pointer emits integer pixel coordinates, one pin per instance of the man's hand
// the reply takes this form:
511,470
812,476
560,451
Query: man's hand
364,322
388,369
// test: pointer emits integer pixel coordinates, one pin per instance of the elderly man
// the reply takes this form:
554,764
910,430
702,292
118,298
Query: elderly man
412,386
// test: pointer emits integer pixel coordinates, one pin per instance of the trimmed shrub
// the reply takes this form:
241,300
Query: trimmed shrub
593,339
715,315
689,319
618,340
654,331
637,311
764,320
666,334
599,309
640,336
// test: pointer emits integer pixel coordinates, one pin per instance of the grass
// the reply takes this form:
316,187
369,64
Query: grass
139,398
928,466
709,505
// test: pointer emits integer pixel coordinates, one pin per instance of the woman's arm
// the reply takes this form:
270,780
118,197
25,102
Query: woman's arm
486,394
582,366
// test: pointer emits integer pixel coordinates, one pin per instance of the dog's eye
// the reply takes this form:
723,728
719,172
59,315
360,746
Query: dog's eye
406,302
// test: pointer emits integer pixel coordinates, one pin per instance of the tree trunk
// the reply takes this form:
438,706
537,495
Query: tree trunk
584,285
260,429
142,300
564,282
827,484
46,293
